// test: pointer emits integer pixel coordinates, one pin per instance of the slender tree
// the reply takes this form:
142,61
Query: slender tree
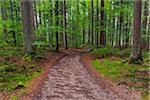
65,25
120,25
92,8
28,25
97,18
35,13
4,17
145,21
136,49
40,15
57,23
12,19
102,33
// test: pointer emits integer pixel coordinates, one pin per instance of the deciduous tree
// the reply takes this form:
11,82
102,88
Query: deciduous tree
28,25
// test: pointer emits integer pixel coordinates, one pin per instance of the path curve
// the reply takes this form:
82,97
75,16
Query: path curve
70,80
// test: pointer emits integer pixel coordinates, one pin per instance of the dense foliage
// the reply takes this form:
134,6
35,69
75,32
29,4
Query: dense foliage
83,22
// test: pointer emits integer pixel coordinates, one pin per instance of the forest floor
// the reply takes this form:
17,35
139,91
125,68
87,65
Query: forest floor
72,79
69,79
69,75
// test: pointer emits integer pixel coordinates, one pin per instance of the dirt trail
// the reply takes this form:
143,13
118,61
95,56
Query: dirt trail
70,80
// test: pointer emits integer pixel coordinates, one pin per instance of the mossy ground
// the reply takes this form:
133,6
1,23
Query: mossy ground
120,71
16,68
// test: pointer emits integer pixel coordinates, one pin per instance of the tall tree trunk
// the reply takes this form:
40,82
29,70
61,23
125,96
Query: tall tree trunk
84,23
12,18
92,8
4,17
127,31
145,22
65,25
35,13
120,25
136,49
28,25
78,24
102,33
40,17
89,27
61,22
57,23
97,13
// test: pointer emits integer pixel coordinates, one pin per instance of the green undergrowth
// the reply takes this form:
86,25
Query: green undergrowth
120,72
14,77
112,51
11,51
116,68
113,63
17,69
134,76
104,52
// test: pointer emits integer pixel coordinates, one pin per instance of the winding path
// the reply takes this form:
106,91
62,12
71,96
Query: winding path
70,80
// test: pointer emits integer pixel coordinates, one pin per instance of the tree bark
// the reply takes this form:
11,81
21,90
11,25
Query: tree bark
97,16
92,34
145,23
136,49
57,23
36,15
28,25
65,25
102,33
120,25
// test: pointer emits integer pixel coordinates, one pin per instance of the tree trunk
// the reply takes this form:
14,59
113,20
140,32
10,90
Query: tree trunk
136,56
92,8
120,25
40,17
35,13
145,23
97,16
12,18
65,25
102,33
28,25
4,17
57,23
89,27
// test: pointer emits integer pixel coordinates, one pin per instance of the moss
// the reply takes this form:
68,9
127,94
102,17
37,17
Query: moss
11,51
12,75
121,72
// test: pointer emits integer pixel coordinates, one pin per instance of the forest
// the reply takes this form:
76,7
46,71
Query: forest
74,49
